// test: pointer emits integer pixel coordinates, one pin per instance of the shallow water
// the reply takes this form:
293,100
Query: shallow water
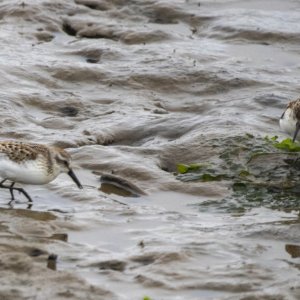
131,89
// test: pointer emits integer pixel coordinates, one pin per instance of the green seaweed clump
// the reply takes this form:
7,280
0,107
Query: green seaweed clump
288,145
183,168
260,171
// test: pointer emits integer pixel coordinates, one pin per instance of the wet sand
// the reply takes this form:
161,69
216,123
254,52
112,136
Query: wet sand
132,89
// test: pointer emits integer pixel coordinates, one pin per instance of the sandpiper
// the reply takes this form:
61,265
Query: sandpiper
32,164
290,119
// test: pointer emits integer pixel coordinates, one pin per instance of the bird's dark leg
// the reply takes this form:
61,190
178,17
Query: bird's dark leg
296,131
11,189
1,183
20,190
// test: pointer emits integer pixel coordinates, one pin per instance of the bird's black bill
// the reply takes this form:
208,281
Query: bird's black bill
296,131
75,179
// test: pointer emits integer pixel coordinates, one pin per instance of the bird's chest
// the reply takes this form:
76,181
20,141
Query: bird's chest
288,122
30,172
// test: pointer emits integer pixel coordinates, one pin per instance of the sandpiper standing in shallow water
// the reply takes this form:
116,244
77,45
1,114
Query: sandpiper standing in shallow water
32,164
290,119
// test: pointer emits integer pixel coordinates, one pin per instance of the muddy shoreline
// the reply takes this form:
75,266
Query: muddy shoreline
132,89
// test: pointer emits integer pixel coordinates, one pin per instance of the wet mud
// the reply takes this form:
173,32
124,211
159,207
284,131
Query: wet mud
168,109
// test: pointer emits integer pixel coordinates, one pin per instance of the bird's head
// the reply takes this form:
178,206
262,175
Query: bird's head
63,162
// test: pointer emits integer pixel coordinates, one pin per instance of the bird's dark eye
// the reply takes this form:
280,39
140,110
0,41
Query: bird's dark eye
62,161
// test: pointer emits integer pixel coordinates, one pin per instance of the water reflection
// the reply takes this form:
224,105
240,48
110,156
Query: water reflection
52,261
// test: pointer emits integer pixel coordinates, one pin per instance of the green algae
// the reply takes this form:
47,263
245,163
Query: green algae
288,145
183,168
260,172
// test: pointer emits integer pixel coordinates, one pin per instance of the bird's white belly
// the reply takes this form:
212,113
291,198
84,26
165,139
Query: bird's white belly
288,125
288,122
30,172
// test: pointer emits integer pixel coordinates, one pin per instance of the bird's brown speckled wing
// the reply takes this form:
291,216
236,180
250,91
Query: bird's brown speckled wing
297,109
20,152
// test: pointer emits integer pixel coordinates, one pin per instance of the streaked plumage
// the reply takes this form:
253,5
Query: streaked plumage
290,119
32,164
